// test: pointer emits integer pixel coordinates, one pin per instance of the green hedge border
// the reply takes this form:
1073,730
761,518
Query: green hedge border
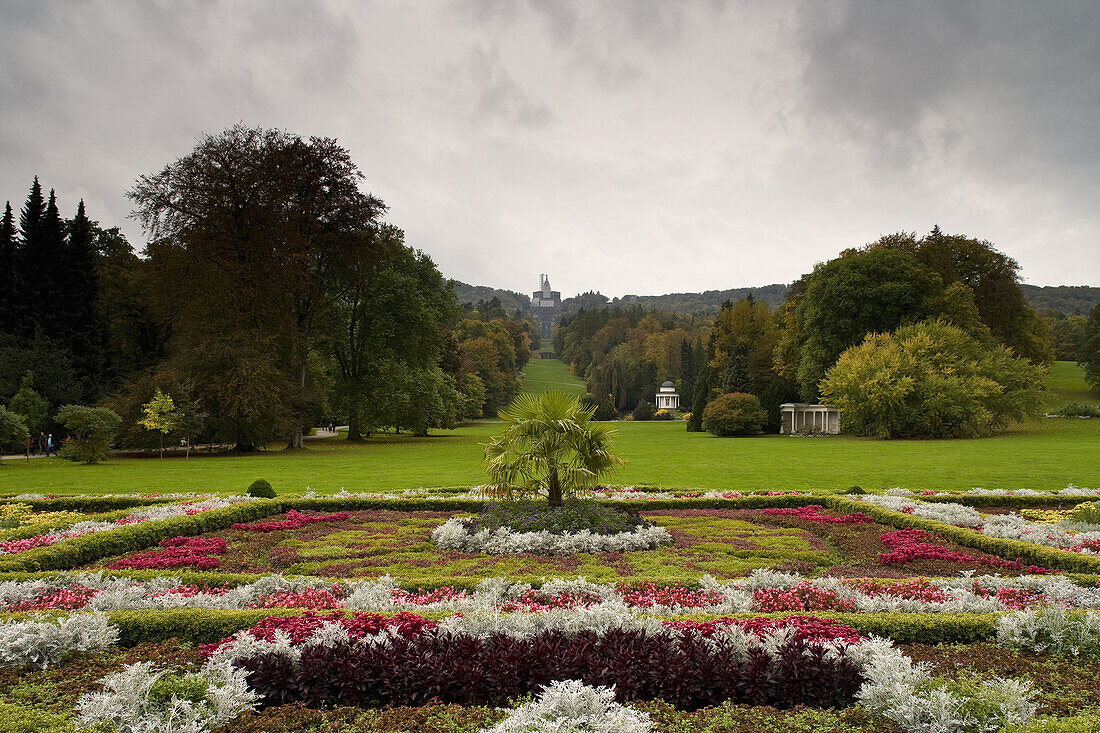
203,626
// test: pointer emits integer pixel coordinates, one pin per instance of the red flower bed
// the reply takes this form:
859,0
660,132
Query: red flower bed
812,513
65,599
300,628
909,545
644,595
178,552
807,628
309,598
294,520
803,597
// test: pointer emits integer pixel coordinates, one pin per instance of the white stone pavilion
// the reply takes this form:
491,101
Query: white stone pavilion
667,397
799,417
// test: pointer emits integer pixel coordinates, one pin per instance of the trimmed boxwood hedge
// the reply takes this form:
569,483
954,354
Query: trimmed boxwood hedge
89,504
1010,502
202,626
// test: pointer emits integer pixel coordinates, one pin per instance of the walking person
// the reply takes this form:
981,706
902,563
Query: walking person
41,442
49,445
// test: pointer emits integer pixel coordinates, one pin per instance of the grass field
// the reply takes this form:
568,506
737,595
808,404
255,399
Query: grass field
543,375
1067,384
1045,454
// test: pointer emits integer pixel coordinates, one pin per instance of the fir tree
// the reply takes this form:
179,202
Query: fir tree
77,303
701,395
736,378
687,369
26,270
52,268
7,276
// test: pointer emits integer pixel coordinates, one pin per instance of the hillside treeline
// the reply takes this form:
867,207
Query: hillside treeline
272,296
964,285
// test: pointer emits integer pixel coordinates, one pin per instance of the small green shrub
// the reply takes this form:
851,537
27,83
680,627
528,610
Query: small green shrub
187,687
261,489
24,719
574,516
736,413
645,410
93,430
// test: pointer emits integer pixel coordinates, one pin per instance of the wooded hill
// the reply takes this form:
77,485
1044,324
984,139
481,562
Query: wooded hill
1068,299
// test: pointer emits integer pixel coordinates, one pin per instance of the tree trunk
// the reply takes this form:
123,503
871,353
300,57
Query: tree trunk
162,445
553,488
354,434
296,436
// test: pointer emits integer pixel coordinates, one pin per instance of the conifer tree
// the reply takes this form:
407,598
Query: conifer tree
687,369
77,301
7,260
52,266
26,270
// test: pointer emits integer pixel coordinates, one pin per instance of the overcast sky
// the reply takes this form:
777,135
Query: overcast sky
641,146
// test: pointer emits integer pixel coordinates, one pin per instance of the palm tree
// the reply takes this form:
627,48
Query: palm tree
550,445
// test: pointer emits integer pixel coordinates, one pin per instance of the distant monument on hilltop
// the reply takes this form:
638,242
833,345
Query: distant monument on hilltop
546,305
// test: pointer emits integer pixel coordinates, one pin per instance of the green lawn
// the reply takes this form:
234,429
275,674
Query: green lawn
543,375
1046,454
1067,384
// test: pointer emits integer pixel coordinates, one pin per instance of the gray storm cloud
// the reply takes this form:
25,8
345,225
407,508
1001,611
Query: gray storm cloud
628,146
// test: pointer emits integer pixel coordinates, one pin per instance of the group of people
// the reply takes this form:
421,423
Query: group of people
42,444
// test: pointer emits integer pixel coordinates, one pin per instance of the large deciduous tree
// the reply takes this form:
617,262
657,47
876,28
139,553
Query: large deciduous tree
843,300
386,336
1088,354
247,231
931,379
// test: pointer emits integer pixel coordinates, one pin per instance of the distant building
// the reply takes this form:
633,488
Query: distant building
667,397
546,305
798,417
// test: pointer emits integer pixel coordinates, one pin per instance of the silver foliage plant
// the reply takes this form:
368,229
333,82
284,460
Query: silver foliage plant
906,694
452,535
43,643
570,706
1052,629
127,701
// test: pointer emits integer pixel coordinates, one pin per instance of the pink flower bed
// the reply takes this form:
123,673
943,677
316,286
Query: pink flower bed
534,601
424,597
915,589
908,545
294,520
803,597
43,540
812,513
198,552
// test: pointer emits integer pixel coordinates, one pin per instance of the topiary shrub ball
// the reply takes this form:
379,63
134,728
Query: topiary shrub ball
261,489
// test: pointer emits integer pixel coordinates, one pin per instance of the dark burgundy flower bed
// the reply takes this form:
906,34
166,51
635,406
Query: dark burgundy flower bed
908,545
686,670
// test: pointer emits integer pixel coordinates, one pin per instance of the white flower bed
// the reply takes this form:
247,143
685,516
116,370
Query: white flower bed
1051,630
45,642
570,706
452,535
